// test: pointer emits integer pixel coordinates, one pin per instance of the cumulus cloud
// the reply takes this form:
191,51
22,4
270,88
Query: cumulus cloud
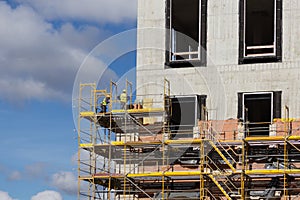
66,182
47,195
5,196
27,89
100,11
30,172
37,60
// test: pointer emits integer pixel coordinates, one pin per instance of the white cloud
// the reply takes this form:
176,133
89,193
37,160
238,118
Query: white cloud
28,89
47,195
65,181
38,61
100,11
29,172
5,196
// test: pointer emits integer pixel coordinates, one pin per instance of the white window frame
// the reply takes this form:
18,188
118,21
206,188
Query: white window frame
190,54
253,93
261,46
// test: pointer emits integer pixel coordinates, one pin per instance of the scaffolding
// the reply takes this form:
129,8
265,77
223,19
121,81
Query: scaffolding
135,153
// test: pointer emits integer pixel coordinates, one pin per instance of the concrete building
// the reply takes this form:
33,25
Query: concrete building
230,50
217,117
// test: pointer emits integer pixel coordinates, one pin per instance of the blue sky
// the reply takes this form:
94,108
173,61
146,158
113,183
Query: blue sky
42,45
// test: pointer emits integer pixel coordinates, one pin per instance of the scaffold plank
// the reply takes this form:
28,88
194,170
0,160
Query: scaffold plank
118,143
169,174
272,171
86,145
85,178
87,114
143,110
273,138
122,143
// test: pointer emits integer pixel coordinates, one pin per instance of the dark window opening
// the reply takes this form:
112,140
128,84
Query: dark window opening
186,111
186,36
257,111
260,31
260,24
184,29
258,114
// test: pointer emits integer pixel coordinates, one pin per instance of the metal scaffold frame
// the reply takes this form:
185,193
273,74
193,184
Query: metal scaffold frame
131,153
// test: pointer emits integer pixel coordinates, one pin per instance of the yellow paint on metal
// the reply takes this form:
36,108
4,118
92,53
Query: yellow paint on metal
153,174
272,171
85,178
222,156
87,114
160,174
273,138
143,110
202,172
121,143
285,119
118,143
219,186
86,145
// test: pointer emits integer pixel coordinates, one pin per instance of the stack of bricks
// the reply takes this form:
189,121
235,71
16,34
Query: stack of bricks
287,127
219,129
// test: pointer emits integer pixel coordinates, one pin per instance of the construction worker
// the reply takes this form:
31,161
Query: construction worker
123,99
104,103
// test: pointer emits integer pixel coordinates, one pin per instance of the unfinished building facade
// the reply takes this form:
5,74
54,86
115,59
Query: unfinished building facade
217,107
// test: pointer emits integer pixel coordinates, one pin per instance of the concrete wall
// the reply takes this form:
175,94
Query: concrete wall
222,78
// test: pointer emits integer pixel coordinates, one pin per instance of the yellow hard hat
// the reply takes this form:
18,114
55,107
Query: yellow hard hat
124,90
108,95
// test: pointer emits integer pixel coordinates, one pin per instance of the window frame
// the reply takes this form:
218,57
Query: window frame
276,103
201,60
259,93
261,58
